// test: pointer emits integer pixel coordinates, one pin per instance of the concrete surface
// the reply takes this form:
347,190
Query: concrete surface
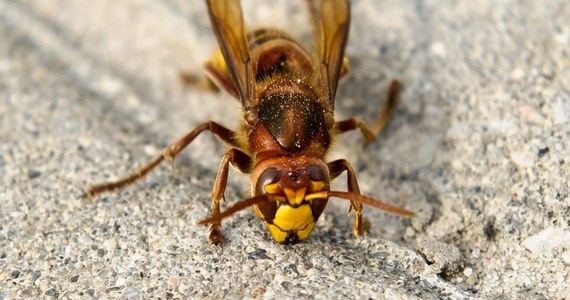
479,147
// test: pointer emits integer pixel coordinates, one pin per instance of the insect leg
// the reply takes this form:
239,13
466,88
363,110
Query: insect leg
217,75
336,168
169,153
370,133
242,162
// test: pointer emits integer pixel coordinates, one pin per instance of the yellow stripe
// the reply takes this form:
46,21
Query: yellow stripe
272,189
295,198
317,186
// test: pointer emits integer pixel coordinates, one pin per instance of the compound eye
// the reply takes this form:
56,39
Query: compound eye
319,179
316,173
269,176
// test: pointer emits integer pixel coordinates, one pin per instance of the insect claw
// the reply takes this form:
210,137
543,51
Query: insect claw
87,194
361,226
215,235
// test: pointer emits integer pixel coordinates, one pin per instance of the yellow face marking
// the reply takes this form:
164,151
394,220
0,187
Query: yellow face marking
278,235
273,188
288,217
304,233
299,219
317,195
317,186
295,197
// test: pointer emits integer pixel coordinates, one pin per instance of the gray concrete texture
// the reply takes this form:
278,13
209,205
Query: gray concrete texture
479,147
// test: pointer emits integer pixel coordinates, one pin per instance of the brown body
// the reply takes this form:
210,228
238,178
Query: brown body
287,96
290,132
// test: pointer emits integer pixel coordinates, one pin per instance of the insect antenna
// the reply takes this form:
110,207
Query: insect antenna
362,199
235,208
318,195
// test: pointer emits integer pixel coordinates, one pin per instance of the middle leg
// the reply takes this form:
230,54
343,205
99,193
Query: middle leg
370,133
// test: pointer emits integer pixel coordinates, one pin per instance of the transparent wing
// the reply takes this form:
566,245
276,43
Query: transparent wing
331,19
227,21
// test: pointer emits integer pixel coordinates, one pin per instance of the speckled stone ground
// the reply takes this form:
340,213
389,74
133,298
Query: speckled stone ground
479,147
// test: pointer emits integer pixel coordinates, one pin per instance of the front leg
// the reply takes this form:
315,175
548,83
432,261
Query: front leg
336,168
169,153
242,162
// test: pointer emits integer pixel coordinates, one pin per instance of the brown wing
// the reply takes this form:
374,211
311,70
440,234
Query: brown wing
228,25
331,19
